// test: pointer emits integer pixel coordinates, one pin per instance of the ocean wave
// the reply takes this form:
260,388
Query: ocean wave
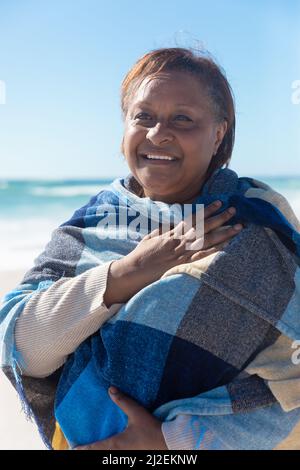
293,198
67,191
23,237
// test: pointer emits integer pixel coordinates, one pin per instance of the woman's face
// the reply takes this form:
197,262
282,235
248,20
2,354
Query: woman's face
171,116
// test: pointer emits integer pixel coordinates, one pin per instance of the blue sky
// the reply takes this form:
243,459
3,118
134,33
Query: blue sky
63,62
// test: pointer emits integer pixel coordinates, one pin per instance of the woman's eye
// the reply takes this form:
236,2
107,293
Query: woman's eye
147,117
140,116
183,116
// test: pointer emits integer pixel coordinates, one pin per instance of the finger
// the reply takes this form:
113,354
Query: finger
152,234
178,230
210,240
131,408
221,235
217,221
184,227
189,241
185,230
99,445
204,253
189,221
212,208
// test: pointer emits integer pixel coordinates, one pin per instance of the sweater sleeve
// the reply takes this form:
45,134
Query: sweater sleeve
54,322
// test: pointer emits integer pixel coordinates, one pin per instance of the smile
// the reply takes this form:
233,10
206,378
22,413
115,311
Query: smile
159,159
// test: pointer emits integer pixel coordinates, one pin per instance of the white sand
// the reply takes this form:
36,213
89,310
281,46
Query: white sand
15,431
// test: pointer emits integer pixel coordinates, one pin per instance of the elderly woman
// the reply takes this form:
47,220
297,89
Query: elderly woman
196,338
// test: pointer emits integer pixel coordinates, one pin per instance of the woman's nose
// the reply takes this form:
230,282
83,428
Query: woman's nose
159,133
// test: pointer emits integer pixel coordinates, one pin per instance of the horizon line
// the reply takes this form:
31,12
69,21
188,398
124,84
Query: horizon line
3,179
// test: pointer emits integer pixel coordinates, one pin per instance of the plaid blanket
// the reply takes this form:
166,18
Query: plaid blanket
211,342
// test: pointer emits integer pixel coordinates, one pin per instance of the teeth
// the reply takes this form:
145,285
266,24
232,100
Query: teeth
158,157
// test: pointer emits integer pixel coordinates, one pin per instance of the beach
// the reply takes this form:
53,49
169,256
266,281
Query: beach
15,431
29,212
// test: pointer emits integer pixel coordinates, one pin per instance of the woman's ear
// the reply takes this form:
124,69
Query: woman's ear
220,132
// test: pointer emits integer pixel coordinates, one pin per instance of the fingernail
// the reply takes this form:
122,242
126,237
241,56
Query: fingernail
231,210
217,203
238,227
113,390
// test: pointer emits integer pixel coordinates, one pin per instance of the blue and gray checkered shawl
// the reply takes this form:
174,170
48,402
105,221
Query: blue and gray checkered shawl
207,341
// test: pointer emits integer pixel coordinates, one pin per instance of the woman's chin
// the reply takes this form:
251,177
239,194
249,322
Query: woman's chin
158,180
163,190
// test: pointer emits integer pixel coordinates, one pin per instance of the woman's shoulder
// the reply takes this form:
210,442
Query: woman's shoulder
264,192
227,182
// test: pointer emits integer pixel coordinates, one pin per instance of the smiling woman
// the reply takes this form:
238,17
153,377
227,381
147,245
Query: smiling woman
200,339
171,107
189,141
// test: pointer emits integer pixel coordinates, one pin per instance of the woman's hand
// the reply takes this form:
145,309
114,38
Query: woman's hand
143,431
157,252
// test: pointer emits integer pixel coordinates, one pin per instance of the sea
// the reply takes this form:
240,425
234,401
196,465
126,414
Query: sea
30,210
